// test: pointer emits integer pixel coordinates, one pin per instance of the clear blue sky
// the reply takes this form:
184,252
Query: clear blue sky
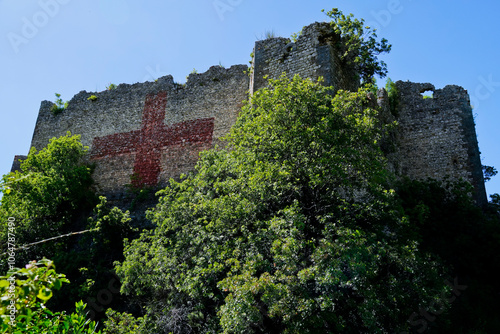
65,46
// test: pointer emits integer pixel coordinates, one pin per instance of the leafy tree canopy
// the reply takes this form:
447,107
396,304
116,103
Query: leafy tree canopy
358,45
287,229
50,197
489,172
51,189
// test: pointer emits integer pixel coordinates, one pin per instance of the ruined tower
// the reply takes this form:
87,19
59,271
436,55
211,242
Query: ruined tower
436,137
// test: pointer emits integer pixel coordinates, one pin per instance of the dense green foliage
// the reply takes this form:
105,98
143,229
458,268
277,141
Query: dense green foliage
287,229
123,323
48,196
51,197
392,93
294,226
89,263
467,239
23,294
358,46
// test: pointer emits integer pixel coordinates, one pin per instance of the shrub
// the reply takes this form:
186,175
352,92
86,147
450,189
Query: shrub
24,293
59,106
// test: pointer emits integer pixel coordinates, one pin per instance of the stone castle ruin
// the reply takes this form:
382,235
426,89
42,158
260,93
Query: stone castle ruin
146,133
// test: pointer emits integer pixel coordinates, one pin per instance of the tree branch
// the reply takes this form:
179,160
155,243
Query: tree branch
49,239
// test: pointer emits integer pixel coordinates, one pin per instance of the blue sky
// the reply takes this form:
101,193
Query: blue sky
65,46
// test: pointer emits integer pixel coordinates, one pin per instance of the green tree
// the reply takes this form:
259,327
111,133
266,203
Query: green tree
46,204
89,263
489,172
47,197
448,224
122,323
358,45
288,229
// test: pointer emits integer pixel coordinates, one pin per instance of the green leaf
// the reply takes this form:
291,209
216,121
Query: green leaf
44,294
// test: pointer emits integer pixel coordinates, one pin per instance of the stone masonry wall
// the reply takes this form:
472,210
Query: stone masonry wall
436,136
311,56
149,131
16,164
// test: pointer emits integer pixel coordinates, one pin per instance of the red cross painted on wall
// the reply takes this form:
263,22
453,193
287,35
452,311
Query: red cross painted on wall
148,142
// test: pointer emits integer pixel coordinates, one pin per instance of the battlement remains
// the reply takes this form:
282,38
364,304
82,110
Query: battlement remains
149,131
313,55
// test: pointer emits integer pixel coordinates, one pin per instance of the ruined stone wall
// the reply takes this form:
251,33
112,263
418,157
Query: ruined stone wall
155,130
151,131
16,164
436,136
311,56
